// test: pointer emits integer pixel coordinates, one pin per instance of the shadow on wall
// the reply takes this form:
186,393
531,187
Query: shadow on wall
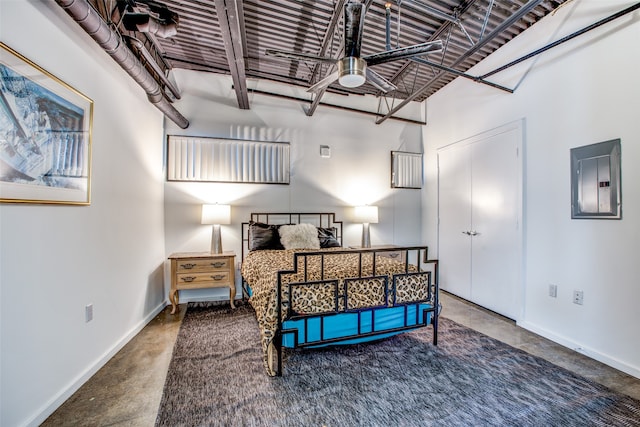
155,289
411,139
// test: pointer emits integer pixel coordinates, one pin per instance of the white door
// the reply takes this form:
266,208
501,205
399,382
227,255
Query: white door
454,194
481,258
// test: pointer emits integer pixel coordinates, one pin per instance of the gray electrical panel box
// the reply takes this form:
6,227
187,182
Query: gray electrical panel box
595,181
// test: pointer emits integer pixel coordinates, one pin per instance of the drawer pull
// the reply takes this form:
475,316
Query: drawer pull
187,266
188,279
218,277
218,264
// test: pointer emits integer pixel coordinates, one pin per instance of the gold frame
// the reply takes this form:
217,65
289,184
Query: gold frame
45,135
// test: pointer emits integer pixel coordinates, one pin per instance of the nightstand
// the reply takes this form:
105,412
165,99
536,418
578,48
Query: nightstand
198,270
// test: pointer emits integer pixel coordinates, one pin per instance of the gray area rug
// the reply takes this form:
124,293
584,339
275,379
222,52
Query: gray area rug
216,378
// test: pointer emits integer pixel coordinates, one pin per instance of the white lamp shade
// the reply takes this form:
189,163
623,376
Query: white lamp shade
366,214
216,214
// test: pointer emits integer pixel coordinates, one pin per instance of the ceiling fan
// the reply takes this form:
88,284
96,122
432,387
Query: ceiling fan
353,69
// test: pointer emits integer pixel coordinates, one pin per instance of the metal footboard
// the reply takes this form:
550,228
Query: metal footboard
416,315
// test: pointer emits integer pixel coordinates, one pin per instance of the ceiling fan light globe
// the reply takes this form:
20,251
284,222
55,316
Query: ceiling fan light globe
352,71
351,80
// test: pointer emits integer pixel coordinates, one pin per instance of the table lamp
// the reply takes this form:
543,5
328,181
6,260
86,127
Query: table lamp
366,215
216,215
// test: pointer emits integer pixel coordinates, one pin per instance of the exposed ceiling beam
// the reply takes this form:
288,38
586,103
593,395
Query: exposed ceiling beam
328,36
446,25
230,17
497,31
606,20
335,18
461,74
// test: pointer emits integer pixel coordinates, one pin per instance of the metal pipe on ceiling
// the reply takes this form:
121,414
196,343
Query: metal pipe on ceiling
89,19
421,60
564,39
460,74
339,107
147,55
499,29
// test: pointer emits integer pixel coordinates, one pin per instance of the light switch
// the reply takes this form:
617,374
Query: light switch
325,151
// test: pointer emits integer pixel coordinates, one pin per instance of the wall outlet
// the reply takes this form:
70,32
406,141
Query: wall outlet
553,291
88,313
578,297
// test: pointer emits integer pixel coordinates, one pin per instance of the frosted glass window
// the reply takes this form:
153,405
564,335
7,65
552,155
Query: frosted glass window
227,160
406,170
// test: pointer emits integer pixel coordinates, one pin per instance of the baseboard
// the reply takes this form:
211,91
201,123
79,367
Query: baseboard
589,352
53,404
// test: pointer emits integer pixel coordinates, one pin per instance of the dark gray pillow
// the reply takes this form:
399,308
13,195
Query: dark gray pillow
263,236
328,237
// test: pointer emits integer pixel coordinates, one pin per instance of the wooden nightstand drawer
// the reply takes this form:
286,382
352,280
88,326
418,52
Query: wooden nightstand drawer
193,265
197,270
215,277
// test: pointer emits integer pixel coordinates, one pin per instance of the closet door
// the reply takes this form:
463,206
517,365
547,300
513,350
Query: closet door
454,207
495,224
480,209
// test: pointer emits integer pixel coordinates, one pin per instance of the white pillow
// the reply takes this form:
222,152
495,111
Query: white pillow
299,236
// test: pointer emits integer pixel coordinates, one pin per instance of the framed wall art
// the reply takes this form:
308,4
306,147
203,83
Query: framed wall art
45,135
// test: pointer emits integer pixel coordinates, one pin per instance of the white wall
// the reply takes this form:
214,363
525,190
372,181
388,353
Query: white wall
580,93
56,259
358,171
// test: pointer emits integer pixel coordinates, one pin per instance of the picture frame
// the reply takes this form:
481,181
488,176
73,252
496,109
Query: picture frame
45,135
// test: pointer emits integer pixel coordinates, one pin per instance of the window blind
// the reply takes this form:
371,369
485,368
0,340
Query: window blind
227,160
406,170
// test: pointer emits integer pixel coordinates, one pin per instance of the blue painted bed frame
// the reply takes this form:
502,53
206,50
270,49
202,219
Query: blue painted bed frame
349,326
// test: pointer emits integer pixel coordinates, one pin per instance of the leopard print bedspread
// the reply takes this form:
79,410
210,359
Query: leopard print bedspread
314,293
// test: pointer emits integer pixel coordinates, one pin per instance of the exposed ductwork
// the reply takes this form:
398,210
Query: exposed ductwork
82,12
164,24
153,64
148,24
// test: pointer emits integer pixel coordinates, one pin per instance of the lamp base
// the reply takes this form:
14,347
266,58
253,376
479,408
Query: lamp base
216,240
366,237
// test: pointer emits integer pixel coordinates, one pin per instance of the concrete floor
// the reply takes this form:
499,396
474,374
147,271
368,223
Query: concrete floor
128,389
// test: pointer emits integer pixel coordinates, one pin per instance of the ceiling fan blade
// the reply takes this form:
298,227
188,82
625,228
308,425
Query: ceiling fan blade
298,56
322,84
379,82
353,24
403,52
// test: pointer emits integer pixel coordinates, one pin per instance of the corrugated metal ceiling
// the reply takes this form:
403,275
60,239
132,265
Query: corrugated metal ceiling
230,37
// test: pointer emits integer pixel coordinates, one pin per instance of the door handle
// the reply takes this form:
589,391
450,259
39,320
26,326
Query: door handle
470,233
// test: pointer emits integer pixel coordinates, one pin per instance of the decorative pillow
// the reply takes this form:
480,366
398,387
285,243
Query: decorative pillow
328,238
263,236
299,236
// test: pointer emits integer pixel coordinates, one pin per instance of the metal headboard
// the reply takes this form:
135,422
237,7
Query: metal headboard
319,219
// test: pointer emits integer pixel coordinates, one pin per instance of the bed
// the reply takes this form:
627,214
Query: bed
308,290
